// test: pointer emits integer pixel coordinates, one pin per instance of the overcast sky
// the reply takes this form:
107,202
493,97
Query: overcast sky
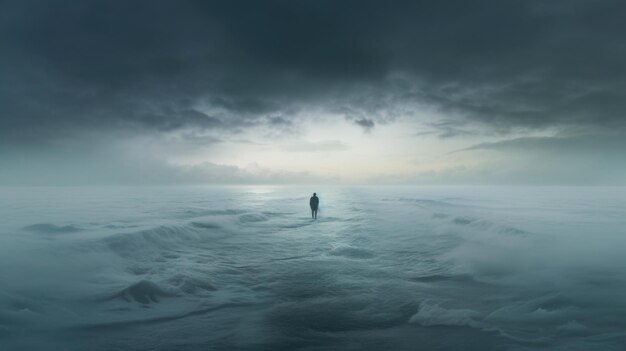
246,92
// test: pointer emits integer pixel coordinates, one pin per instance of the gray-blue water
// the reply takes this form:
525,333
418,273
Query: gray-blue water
245,268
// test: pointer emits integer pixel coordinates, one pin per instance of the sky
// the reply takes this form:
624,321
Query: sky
295,92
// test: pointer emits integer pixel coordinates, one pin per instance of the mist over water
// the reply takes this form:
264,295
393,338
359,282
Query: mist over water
246,268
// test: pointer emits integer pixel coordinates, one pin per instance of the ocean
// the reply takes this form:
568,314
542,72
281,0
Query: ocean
246,268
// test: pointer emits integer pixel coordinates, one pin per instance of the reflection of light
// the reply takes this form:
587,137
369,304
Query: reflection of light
259,189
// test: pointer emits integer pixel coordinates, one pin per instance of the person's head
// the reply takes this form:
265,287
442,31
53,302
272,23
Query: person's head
314,194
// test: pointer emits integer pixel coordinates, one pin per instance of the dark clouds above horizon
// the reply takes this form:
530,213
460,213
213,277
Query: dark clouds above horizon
71,67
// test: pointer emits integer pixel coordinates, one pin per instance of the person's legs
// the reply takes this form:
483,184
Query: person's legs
312,213
315,211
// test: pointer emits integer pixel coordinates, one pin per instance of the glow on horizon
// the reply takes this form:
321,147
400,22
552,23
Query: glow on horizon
333,148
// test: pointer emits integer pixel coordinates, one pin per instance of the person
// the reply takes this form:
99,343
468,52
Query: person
314,203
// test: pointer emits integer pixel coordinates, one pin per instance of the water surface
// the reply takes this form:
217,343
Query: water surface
246,268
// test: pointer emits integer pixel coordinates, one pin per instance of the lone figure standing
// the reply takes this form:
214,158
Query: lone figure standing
314,203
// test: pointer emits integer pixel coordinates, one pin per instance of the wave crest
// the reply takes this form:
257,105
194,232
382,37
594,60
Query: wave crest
432,314
144,292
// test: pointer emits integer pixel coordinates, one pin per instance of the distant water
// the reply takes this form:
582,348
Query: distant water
245,268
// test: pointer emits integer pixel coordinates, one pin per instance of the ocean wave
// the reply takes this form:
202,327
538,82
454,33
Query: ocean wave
206,225
16,309
352,252
463,220
144,292
200,212
548,310
48,228
425,202
165,238
120,226
191,285
433,314
439,215
124,324
251,218
462,278
479,224
573,327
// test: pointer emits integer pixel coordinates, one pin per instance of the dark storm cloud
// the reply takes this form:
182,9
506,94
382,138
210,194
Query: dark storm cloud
367,124
165,65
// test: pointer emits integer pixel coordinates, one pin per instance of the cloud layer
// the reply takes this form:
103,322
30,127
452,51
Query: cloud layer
155,64
154,67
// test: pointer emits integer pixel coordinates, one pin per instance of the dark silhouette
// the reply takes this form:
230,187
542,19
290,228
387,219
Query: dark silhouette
314,203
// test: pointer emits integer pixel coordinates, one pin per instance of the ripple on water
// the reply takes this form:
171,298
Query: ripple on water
352,252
